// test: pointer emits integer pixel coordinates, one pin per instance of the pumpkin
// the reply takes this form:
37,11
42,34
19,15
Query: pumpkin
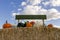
7,25
28,24
32,22
50,25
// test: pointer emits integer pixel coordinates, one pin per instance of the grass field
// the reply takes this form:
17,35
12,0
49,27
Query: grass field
33,33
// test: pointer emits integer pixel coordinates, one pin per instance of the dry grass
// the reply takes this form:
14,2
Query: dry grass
34,33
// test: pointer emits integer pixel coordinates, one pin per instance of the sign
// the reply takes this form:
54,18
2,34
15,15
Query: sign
30,17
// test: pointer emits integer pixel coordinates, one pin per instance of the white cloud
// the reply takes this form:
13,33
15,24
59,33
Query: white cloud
19,9
52,3
14,14
31,10
23,3
55,2
53,10
34,2
56,26
53,14
46,3
38,10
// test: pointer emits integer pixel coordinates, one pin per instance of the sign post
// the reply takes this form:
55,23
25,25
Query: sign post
43,17
43,22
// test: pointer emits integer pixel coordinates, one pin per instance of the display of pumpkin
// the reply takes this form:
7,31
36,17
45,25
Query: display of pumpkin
28,24
50,25
7,25
32,22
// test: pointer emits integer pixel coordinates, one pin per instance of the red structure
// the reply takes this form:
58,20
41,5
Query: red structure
7,25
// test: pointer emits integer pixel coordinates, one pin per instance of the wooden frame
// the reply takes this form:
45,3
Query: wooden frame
19,17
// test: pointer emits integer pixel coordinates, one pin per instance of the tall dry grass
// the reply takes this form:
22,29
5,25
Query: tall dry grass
32,33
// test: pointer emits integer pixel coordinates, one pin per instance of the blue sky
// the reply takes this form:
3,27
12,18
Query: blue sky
10,8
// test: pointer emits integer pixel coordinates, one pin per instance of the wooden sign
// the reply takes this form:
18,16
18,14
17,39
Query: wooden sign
30,17
19,17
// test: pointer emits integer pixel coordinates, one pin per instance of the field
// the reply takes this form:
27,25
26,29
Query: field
33,33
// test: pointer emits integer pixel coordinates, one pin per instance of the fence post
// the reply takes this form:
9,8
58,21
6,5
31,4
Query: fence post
43,22
18,20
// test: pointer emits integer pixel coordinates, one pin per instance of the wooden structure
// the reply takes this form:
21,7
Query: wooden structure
42,17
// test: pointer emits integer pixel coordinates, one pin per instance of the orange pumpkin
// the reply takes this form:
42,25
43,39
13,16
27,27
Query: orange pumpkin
28,24
7,25
50,25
